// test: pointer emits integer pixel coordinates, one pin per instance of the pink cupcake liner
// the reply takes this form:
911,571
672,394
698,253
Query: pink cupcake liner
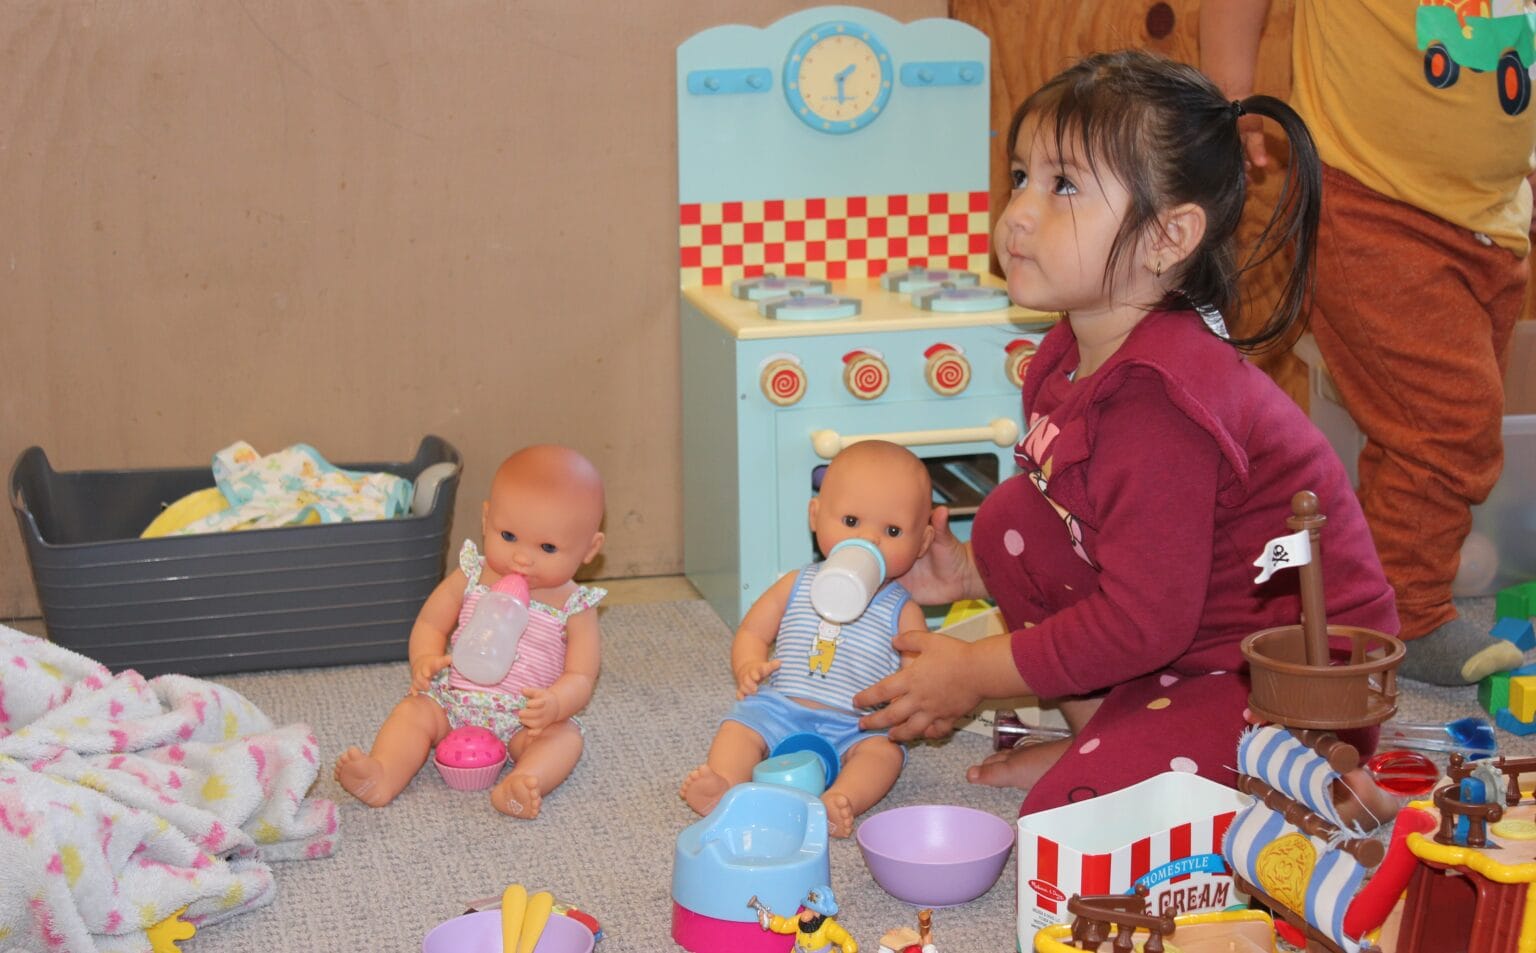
469,779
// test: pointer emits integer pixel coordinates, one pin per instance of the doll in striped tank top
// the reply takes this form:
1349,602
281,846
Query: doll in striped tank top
542,521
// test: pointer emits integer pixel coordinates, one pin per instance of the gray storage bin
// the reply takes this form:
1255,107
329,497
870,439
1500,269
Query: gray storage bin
223,602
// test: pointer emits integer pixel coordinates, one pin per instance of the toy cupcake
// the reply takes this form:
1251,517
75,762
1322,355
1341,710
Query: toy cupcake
470,758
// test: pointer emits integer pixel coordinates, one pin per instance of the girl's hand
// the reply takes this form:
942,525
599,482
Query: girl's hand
542,709
750,675
424,668
928,693
945,573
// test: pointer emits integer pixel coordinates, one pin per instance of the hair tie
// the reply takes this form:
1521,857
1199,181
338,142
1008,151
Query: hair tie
1237,108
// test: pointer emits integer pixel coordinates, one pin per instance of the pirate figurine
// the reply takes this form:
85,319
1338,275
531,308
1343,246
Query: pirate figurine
813,926
907,940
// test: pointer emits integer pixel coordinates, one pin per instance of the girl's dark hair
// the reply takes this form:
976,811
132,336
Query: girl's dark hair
1167,133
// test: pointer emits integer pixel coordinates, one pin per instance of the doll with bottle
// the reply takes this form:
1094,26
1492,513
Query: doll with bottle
507,643
819,635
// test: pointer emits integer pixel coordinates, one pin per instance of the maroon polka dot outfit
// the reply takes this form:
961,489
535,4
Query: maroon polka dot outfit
1149,488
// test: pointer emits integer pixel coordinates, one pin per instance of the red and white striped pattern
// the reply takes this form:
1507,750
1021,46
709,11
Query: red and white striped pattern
1052,870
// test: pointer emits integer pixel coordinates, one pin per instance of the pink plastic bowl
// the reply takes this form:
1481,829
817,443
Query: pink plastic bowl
481,933
935,855
470,758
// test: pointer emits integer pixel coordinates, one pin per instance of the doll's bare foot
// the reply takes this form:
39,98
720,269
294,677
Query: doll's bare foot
517,796
703,789
1017,768
363,778
1359,801
839,813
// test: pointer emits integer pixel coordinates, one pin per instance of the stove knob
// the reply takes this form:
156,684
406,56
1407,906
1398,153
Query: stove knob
865,374
1020,351
782,381
948,372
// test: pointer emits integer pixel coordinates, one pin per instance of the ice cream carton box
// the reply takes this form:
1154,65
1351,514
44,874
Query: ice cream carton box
1164,832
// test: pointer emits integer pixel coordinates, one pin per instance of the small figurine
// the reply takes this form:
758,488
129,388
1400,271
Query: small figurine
813,925
830,627
907,940
541,523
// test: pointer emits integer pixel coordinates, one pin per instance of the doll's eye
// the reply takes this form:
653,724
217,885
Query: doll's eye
850,521
509,536
893,531
549,548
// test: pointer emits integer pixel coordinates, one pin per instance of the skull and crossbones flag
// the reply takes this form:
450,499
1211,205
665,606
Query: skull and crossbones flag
1283,552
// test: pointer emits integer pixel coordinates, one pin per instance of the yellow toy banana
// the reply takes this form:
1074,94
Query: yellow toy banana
514,906
539,906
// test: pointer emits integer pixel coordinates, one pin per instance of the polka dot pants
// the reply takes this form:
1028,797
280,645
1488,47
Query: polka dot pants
1157,723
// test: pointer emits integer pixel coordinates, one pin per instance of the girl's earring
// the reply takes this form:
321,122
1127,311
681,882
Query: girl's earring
1157,270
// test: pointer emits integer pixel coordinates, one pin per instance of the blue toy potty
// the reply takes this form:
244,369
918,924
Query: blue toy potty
762,840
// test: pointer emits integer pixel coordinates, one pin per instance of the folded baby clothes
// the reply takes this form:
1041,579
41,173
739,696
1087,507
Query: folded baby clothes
292,486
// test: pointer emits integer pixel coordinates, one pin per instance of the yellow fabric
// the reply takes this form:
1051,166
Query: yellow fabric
1359,83
190,508
197,505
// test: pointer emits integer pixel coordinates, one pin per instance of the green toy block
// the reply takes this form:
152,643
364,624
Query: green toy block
1516,602
1493,690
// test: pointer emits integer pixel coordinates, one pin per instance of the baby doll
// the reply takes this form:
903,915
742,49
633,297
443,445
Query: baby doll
541,521
872,491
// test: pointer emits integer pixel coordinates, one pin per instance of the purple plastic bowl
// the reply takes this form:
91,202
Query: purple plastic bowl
481,933
935,855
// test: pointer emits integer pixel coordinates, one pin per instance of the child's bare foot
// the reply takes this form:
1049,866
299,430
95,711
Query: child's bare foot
517,796
839,813
1018,767
703,789
1360,801
363,777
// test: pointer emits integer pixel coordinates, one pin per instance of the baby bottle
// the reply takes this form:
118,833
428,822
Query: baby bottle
487,647
847,581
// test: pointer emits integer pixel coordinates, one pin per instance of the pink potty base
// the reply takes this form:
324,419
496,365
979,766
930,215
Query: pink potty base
700,934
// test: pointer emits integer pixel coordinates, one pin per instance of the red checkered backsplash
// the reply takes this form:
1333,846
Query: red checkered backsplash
833,238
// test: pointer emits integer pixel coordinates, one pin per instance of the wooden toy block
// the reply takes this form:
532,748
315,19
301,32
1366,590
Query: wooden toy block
1516,602
1519,631
1506,719
1522,697
1493,690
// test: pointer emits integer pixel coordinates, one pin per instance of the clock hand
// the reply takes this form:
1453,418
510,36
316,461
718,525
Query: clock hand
840,77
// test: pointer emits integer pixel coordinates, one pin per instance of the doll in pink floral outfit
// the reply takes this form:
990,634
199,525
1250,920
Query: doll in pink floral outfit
542,521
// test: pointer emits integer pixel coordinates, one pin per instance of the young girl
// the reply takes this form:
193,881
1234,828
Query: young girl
541,521
1157,461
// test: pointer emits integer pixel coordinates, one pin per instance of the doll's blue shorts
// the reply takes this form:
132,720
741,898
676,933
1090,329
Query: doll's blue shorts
775,717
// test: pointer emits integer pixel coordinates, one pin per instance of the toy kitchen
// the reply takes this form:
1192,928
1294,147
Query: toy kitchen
833,250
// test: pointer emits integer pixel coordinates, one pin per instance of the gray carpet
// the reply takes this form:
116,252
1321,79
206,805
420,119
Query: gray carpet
605,839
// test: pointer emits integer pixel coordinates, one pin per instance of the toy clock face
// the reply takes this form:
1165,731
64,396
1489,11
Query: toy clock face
838,77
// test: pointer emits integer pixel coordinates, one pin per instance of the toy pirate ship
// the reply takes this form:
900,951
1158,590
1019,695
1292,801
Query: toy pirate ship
1456,873
1294,849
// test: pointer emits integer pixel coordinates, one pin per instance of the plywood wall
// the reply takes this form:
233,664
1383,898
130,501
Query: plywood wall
351,223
